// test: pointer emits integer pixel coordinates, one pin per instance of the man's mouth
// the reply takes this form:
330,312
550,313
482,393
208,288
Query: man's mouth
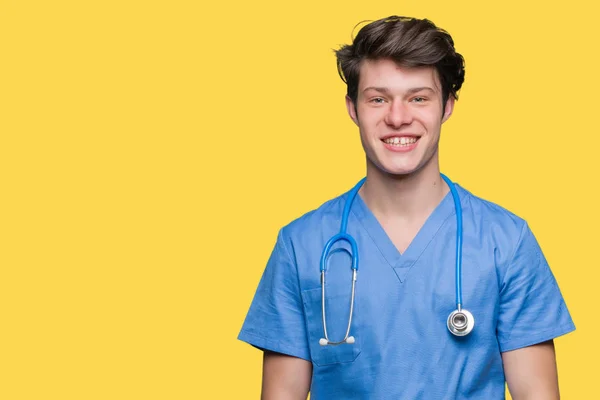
400,140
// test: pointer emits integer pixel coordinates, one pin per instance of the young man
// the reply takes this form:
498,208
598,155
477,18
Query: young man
411,227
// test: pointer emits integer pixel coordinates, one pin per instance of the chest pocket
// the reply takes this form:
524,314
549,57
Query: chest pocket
338,311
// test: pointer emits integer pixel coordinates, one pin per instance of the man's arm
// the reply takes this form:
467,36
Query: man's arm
531,372
285,377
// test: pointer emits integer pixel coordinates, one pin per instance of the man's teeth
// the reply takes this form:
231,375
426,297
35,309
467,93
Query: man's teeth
400,141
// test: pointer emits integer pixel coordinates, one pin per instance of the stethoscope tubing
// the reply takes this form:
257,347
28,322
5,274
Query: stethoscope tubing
459,238
460,322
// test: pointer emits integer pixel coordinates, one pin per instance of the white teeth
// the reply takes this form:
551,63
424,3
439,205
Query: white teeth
400,141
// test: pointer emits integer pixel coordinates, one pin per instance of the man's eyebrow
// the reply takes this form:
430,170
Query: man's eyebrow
420,89
377,89
409,91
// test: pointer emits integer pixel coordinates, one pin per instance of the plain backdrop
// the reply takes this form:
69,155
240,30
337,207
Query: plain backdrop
151,150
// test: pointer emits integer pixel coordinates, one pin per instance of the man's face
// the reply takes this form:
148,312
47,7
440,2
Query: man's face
399,115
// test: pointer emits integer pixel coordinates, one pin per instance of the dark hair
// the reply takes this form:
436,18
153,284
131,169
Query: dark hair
410,42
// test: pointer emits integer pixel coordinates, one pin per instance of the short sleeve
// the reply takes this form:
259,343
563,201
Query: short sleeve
532,309
275,320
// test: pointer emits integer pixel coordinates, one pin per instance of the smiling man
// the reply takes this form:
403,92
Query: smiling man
397,329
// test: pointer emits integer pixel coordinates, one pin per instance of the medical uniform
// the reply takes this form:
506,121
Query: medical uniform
403,349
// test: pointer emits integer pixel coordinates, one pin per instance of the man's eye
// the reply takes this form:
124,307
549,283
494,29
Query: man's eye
377,100
419,99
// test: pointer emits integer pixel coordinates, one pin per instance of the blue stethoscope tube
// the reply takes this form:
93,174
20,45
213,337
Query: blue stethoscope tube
460,322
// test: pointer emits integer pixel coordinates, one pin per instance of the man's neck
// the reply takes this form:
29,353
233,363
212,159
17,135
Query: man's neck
406,197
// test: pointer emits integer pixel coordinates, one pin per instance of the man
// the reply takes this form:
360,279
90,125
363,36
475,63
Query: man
403,75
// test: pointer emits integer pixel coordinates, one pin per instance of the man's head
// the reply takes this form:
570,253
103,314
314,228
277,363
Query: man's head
403,76
409,42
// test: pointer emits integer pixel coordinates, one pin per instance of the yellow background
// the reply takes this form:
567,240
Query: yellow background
151,150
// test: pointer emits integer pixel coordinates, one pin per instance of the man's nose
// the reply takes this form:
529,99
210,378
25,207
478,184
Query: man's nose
398,114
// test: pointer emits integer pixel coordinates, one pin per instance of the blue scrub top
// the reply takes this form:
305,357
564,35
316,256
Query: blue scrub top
403,349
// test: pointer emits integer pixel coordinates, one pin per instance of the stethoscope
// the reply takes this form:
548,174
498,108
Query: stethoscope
460,321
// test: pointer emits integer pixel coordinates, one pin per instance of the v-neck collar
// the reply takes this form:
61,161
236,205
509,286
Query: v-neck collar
403,262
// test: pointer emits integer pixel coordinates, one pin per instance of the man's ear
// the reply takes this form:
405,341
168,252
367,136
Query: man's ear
449,108
351,110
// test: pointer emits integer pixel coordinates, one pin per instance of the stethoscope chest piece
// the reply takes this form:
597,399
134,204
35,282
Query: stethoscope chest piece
460,322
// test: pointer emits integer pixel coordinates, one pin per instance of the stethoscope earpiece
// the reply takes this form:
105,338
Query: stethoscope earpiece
325,342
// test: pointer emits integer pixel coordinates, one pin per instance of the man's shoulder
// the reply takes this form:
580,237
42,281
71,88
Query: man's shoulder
314,219
491,214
